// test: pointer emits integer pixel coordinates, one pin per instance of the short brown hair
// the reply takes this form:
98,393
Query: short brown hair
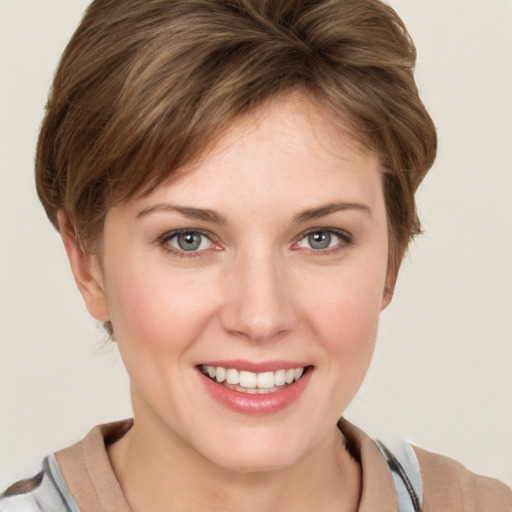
145,86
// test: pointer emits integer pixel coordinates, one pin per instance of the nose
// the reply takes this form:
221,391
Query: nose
258,298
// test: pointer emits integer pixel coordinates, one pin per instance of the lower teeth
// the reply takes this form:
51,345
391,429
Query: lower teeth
252,391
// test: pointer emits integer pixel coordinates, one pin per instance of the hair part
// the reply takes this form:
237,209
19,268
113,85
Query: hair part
146,86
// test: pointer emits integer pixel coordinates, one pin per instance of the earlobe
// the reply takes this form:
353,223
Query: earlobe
387,295
86,270
394,262
389,289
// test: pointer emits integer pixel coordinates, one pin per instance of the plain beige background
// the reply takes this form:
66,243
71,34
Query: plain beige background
442,374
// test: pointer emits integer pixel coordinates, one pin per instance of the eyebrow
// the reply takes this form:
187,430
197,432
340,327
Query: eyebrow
187,211
215,217
323,211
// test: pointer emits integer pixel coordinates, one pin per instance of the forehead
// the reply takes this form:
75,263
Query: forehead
288,152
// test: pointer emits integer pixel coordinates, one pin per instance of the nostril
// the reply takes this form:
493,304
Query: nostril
258,299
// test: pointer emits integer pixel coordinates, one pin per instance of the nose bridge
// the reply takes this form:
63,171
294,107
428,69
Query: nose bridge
258,301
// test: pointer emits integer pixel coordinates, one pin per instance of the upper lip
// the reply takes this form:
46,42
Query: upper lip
256,367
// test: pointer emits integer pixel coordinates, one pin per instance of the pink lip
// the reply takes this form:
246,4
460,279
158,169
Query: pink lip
249,366
256,405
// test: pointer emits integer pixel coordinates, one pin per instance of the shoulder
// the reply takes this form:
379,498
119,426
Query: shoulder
450,487
21,495
45,491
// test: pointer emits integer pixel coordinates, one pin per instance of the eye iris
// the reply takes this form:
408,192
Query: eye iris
189,241
319,240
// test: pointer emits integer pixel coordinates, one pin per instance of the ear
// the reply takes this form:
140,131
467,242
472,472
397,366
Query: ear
86,269
389,286
387,294
394,261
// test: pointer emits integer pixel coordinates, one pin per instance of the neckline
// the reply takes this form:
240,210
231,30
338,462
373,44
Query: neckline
91,480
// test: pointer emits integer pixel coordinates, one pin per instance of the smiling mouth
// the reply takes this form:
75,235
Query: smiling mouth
251,382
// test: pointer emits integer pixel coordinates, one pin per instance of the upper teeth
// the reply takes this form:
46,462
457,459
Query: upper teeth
251,380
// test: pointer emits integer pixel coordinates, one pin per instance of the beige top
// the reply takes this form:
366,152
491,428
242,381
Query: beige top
447,485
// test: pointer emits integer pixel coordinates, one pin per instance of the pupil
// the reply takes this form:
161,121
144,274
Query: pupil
189,241
320,240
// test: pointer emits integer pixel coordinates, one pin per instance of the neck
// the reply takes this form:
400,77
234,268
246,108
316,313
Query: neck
158,471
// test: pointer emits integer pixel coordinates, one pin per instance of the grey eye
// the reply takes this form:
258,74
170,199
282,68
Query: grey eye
319,240
324,239
189,241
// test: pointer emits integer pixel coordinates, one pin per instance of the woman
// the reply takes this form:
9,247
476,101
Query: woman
234,185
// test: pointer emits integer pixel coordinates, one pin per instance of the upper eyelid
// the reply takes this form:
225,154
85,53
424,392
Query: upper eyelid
337,231
175,232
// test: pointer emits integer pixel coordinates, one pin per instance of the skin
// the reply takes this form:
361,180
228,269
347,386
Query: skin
255,290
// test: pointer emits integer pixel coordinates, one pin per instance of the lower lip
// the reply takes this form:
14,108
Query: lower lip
257,405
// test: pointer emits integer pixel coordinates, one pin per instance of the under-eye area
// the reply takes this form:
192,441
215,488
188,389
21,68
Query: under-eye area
253,382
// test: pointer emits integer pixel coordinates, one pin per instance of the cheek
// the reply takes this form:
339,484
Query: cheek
157,316
344,312
161,310
341,313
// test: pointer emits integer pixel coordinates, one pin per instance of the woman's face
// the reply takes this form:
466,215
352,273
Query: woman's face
268,256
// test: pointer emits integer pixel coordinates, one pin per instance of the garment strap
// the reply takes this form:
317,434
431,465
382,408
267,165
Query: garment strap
405,470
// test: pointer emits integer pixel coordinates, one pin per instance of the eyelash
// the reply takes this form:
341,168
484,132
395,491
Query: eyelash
345,239
344,236
167,237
